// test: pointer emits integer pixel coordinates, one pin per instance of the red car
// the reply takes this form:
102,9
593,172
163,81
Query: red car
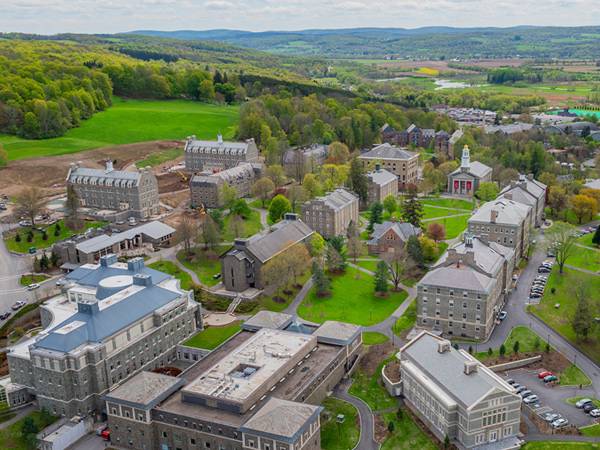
544,374
105,434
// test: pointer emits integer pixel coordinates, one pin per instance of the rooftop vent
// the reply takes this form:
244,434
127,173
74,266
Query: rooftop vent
135,264
141,279
108,260
109,166
443,346
493,215
471,367
290,216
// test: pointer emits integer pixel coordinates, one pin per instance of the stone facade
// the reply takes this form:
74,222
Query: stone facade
390,237
380,183
331,214
302,160
206,189
217,155
530,192
399,161
123,194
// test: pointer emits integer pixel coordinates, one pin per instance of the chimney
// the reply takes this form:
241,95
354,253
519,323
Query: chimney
471,367
135,265
220,138
530,177
493,215
108,260
443,346
109,166
468,240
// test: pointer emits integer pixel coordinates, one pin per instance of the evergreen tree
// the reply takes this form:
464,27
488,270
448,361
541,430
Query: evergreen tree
413,247
17,237
490,351
54,259
382,276
320,279
583,319
596,238
357,180
516,347
375,215
44,262
502,350
412,209
44,235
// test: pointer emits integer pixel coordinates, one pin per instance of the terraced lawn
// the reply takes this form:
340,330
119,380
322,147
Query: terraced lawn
352,300
211,337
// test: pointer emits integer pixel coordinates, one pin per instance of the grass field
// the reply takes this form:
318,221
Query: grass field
562,445
11,436
211,337
129,121
339,436
352,300
591,430
38,241
585,258
573,376
251,226
157,158
204,264
26,280
451,203
406,435
526,338
453,225
172,269
407,320
373,338
369,389
560,319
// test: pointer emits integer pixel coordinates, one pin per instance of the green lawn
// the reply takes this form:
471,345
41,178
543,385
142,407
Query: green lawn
406,435
204,263
26,280
373,338
407,320
339,436
586,239
129,121
526,338
560,319
585,258
591,430
38,241
562,445
452,203
251,226
573,376
573,400
453,225
11,437
370,390
271,304
353,300
368,264
211,337
429,212
157,158
172,269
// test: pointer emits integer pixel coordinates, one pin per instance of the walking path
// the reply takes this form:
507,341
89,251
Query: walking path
20,414
433,219
589,272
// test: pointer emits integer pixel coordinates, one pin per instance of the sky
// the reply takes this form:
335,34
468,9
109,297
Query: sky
112,16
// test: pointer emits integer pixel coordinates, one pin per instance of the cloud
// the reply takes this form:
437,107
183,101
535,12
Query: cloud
108,16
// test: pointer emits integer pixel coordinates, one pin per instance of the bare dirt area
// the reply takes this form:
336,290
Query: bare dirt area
371,359
176,199
172,182
49,173
495,63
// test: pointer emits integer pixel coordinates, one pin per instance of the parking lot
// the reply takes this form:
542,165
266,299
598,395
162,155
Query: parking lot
554,397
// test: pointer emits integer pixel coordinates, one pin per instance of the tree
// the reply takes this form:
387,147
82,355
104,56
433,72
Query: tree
44,236
262,189
3,157
381,278
72,219
276,174
355,247
29,431
487,191
18,237
436,231
596,238
209,232
562,240
583,319
390,204
29,203
217,216
56,230
428,248
516,346
446,442
357,180
54,259
295,195
240,208
412,209
391,427
396,263
311,185
186,232
297,261
338,153
490,351
278,207
228,195
375,215
537,343
584,206
322,283
414,250
44,262
502,350
316,245
292,263
557,199
236,225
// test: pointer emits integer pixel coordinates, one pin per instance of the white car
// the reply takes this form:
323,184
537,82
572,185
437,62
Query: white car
559,423
595,413
551,417
33,286
532,398
581,403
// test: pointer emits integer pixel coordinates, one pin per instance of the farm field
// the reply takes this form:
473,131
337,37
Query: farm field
129,121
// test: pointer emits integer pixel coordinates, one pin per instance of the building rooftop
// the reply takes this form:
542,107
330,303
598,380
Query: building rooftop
340,333
155,230
102,177
338,199
388,151
267,319
217,147
529,185
475,168
239,172
593,184
458,276
403,229
282,418
253,367
145,389
447,370
507,212
381,177
508,129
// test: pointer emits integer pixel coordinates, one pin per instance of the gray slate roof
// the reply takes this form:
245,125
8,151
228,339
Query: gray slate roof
233,148
333,332
145,389
267,319
447,370
387,151
155,230
488,257
534,188
508,129
403,229
381,177
338,199
463,277
85,175
242,171
476,168
281,418
509,212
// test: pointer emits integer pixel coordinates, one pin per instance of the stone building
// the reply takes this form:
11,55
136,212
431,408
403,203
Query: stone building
503,221
391,237
302,160
217,155
466,179
84,250
528,191
111,322
457,396
401,162
331,214
260,389
206,189
466,289
115,194
380,183
241,266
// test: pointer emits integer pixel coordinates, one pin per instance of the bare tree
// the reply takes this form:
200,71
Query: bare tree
262,189
72,219
186,232
209,232
396,262
561,238
236,226
30,203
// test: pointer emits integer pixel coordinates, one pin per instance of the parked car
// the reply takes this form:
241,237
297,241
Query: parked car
543,269
25,223
535,295
595,412
551,253
502,315
105,434
544,374
510,381
531,399
526,393
33,286
551,416
18,304
589,408
581,403
559,423
5,315
100,429
550,378
516,386
521,389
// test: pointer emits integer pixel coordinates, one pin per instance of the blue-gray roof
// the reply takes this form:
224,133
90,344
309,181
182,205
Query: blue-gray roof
90,276
97,326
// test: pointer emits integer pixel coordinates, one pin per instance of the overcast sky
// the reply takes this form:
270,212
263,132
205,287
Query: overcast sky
110,16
